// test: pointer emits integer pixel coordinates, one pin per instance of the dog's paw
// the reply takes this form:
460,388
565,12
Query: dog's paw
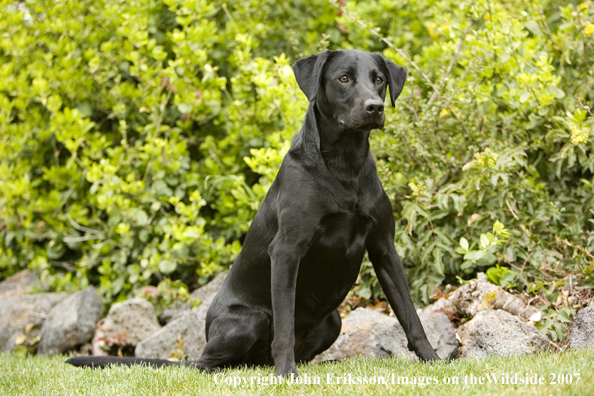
426,353
286,370
454,355
431,358
196,364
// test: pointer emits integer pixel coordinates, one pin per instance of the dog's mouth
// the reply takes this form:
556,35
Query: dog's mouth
364,126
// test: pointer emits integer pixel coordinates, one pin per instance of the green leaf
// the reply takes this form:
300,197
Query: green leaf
85,109
485,241
504,57
563,316
534,28
464,244
167,266
560,330
475,255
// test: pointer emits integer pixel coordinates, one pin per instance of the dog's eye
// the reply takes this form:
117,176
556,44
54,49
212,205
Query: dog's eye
379,81
344,79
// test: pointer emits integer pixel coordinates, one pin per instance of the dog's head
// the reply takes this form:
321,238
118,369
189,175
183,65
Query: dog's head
350,86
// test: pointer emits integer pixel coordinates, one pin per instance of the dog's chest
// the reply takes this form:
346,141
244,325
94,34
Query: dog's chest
344,230
331,265
339,247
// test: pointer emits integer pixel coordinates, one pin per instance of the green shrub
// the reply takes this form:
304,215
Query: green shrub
124,128
137,139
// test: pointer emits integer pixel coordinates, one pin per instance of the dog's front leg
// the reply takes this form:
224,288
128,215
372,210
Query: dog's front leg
392,278
284,266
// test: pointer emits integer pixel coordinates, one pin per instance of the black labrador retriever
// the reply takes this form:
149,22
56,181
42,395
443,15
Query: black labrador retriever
304,249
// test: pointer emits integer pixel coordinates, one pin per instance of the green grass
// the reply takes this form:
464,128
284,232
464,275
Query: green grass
40,375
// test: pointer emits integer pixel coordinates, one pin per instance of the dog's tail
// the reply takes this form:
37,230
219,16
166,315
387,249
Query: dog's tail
104,361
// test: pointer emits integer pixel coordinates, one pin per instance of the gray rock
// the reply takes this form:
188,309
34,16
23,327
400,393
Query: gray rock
206,292
440,333
469,298
131,320
444,305
582,331
196,336
98,342
183,322
164,342
370,334
497,332
479,295
23,315
71,322
18,284
177,310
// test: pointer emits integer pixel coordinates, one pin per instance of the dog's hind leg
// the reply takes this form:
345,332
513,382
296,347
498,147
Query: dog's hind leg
319,339
239,337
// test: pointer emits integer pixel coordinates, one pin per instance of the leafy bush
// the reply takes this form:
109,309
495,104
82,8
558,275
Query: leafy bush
500,131
124,128
137,139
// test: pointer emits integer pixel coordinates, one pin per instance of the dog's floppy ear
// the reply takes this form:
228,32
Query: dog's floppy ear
396,77
308,73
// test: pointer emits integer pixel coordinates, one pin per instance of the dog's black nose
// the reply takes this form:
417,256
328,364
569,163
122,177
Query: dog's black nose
374,106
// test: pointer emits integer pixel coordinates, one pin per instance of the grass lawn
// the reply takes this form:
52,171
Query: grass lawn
568,373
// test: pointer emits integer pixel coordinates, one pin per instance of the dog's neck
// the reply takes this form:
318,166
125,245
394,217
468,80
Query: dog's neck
344,150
